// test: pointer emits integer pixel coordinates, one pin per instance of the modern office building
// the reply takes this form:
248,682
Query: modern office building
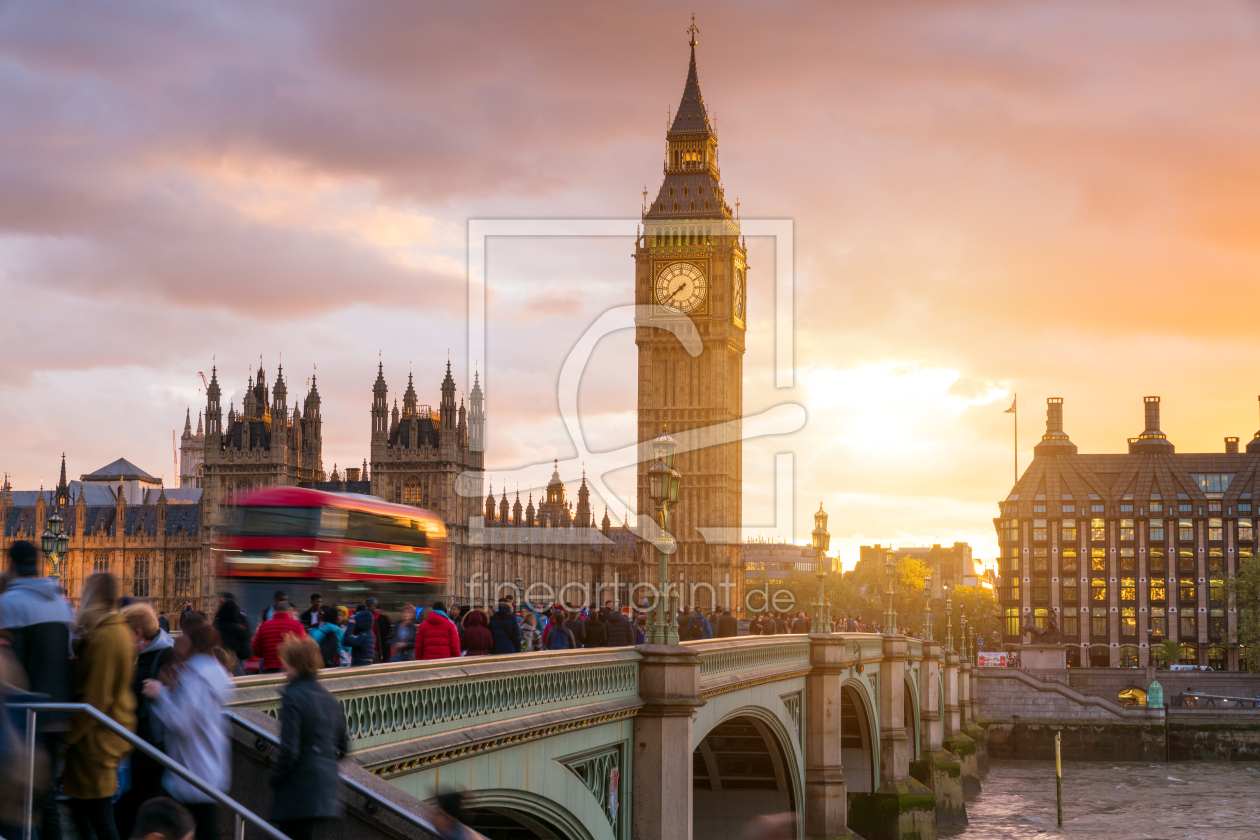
1124,551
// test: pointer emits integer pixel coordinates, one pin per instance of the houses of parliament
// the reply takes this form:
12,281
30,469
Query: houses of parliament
689,261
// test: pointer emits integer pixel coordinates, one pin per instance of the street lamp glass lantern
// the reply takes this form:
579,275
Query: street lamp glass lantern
658,480
822,539
665,446
675,479
54,523
63,543
927,586
890,566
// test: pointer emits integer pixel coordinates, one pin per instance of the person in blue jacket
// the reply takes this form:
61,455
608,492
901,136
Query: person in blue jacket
362,640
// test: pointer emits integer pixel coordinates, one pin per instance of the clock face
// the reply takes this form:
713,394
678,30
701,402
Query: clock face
739,296
680,287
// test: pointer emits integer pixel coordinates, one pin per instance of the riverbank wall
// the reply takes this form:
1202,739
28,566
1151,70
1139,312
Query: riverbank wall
1024,712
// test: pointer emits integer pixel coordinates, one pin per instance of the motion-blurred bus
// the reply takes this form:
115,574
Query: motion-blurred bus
345,546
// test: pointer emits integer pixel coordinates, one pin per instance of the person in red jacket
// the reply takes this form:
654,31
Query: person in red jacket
271,633
436,636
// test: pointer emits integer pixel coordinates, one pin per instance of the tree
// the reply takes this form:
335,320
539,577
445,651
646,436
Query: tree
981,609
1167,653
1244,592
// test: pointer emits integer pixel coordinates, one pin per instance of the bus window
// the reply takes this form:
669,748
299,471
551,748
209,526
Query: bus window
332,524
390,530
277,521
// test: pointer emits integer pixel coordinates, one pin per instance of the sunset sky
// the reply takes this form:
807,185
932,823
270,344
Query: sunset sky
1055,199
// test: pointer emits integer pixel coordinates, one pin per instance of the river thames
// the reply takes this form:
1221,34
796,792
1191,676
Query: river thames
1208,801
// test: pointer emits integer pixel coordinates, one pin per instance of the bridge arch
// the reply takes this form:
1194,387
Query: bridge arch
745,765
912,722
859,736
521,814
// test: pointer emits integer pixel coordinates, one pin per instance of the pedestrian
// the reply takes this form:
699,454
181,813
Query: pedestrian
312,739
155,651
37,619
383,628
404,644
329,636
476,639
436,636
850,626
189,702
578,628
640,630
558,635
618,631
449,817
361,640
698,626
163,621
800,624
728,627
531,638
596,634
235,638
271,633
188,610
103,672
505,629
311,618
277,598
162,818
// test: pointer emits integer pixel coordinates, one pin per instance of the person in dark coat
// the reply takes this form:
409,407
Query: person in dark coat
383,628
312,617
476,639
596,636
156,652
362,641
618,631
235,637
578,628
312,739
801,623
505,630
37,619
728,627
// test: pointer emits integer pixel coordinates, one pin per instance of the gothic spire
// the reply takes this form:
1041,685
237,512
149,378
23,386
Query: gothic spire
188,421
692,118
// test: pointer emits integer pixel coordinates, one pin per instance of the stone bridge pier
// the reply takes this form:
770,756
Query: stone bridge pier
850,732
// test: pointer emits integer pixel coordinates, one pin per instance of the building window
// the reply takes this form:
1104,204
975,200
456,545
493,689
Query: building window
1244,507
1127,560
1245,553
1185,529
1067,530
1127,508
140,576
1159,621
1128,589
1099,588
1010,531
1098,625
1070,626
1189,653
1213,482
1040,562
1185,508
181,579
1041,590
1095,508
1156,506
1039,530
1039,508
1126,530
1069,559
1069,590
1158,591
1189,627
1157,531
1216,559
1069,509
1155,559
100,563
1128,656
1011,619
1098,559
1012,563
1214,506
1245,532
1128,621
1185,590
1217,658
1185,560
1216,530
1216,623
1216,590
1098,530
411,492
1012,592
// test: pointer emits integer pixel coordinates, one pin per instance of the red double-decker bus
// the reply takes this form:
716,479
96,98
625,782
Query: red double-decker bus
345,546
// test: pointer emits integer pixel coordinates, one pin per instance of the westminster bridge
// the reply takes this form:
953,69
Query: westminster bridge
857,733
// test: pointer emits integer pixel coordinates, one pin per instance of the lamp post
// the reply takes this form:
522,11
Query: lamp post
890,617
927,607
663,482
520,602
962,631
949,621
971,642
822,541
55,543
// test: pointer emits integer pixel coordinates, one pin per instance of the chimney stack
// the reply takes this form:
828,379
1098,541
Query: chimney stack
1152,414
1055,441
1152,441
1231,445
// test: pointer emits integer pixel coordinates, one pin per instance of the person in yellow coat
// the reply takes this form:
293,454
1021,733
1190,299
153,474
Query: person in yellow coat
103,671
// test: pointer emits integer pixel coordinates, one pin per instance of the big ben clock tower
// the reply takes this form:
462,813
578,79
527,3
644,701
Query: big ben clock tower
691,263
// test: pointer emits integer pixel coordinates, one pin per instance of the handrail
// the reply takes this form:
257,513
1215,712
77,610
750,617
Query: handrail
258,732
32,709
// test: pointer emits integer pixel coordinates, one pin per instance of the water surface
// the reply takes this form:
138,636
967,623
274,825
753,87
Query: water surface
1184,800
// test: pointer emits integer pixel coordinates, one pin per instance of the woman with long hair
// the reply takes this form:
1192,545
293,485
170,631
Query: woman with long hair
102,678
312,738
530,637
235,636
189,701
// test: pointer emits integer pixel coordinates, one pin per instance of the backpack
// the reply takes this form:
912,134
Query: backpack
330,650
559,638
695,627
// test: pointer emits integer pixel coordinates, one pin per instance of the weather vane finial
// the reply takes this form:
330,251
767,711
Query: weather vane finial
693,30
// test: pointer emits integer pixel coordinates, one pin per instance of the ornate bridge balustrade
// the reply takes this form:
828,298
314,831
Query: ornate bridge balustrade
649,742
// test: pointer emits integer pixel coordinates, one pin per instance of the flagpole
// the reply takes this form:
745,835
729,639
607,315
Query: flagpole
1015,405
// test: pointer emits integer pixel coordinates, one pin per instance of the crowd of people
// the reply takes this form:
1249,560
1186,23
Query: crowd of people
114,654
